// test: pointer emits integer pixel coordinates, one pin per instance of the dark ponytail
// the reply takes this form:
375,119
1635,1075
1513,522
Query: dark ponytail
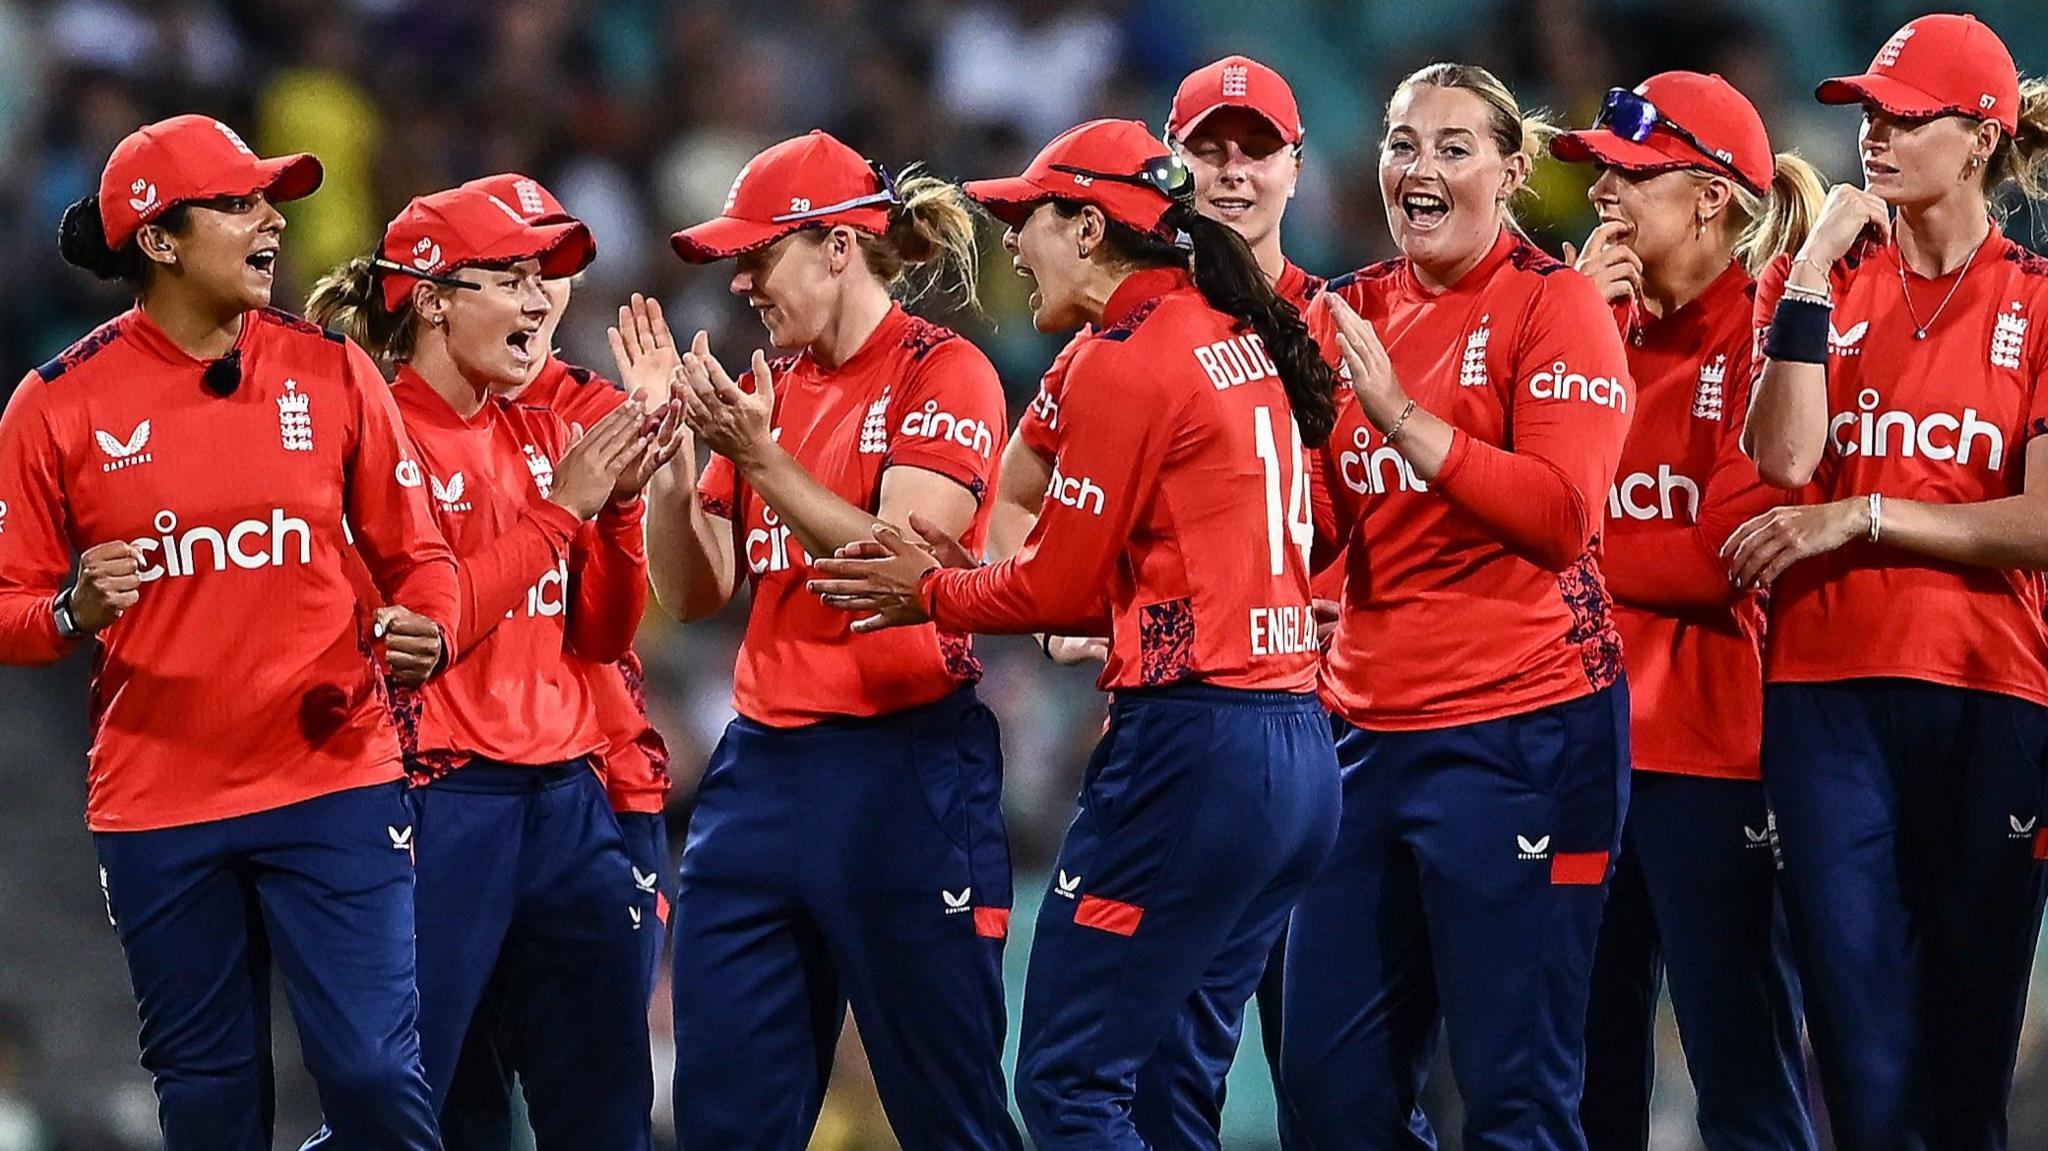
1229,277
82,241
1231,280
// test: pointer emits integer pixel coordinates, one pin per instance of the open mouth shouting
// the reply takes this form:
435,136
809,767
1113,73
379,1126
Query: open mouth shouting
522,344
1424,210
264,260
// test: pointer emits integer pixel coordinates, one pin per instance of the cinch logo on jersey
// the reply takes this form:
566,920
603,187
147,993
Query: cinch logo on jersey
543,471
408,473
1706,398
549,595
769,548
2008,338
1472,366
1627,496
1235,361
1288,629
449,495
931,423
874,427
1849,343
295,418
1373,471
1870,432
1080,494
1561,383
124,453
1047,409
3,517
176,554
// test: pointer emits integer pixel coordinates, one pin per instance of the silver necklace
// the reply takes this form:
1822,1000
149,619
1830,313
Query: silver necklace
1920,329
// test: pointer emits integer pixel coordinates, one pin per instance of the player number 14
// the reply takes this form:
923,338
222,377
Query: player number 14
1300,529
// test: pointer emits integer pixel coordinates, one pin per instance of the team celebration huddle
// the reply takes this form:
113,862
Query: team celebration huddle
1491,638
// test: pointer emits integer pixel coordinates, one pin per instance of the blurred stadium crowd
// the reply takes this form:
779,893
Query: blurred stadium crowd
637,113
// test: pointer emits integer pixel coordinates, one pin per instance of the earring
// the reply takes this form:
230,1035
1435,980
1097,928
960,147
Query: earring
1081,250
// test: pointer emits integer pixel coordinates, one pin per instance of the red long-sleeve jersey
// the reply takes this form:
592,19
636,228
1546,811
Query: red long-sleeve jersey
1180,487
237,683
1692,642
914,395
1039,426
538,586
1947,420
636,776
1478,596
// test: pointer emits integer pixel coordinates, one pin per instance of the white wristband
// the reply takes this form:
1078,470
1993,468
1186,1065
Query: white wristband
1876,516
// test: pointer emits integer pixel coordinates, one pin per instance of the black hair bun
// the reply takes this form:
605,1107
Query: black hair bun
82,241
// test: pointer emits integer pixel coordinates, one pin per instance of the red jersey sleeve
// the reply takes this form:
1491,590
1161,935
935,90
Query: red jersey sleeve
35,553
1544,493
1114,435
953,421
609,568
718,490
494,580
387,507
1038,427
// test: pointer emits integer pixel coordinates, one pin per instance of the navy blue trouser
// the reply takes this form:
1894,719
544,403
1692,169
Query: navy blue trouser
526,894
1203,815
858,862
1909,815
1694,898
326,887
477,1114
1465,891
1179,1096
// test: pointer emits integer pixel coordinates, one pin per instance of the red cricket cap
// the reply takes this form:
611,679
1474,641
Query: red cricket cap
806,182
469,225
1235,82
1938,65
186,158
1117,165
523,194
1722,119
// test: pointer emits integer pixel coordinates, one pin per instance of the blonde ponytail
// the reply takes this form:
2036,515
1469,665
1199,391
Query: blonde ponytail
2022,158
1778,221
932,230
349,300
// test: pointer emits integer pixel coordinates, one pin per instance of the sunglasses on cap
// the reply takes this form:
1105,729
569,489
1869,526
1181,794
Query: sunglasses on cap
384,265
1167,175
1633,117
887,195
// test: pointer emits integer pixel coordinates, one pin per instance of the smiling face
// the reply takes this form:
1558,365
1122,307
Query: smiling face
1910,162
494,331
793,283
1047,248
1244,172
226,252
1444,178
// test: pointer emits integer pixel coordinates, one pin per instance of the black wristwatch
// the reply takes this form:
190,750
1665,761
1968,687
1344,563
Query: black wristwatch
67,624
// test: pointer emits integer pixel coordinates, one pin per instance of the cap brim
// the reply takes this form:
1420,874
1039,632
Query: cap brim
1893,95
289,177
1600,146
563,246
723,237
1183,131
1009,199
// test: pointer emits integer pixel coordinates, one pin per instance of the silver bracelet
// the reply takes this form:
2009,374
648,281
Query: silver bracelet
1876,516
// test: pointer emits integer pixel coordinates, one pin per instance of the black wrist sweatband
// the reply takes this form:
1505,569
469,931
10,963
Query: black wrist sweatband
1798,333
